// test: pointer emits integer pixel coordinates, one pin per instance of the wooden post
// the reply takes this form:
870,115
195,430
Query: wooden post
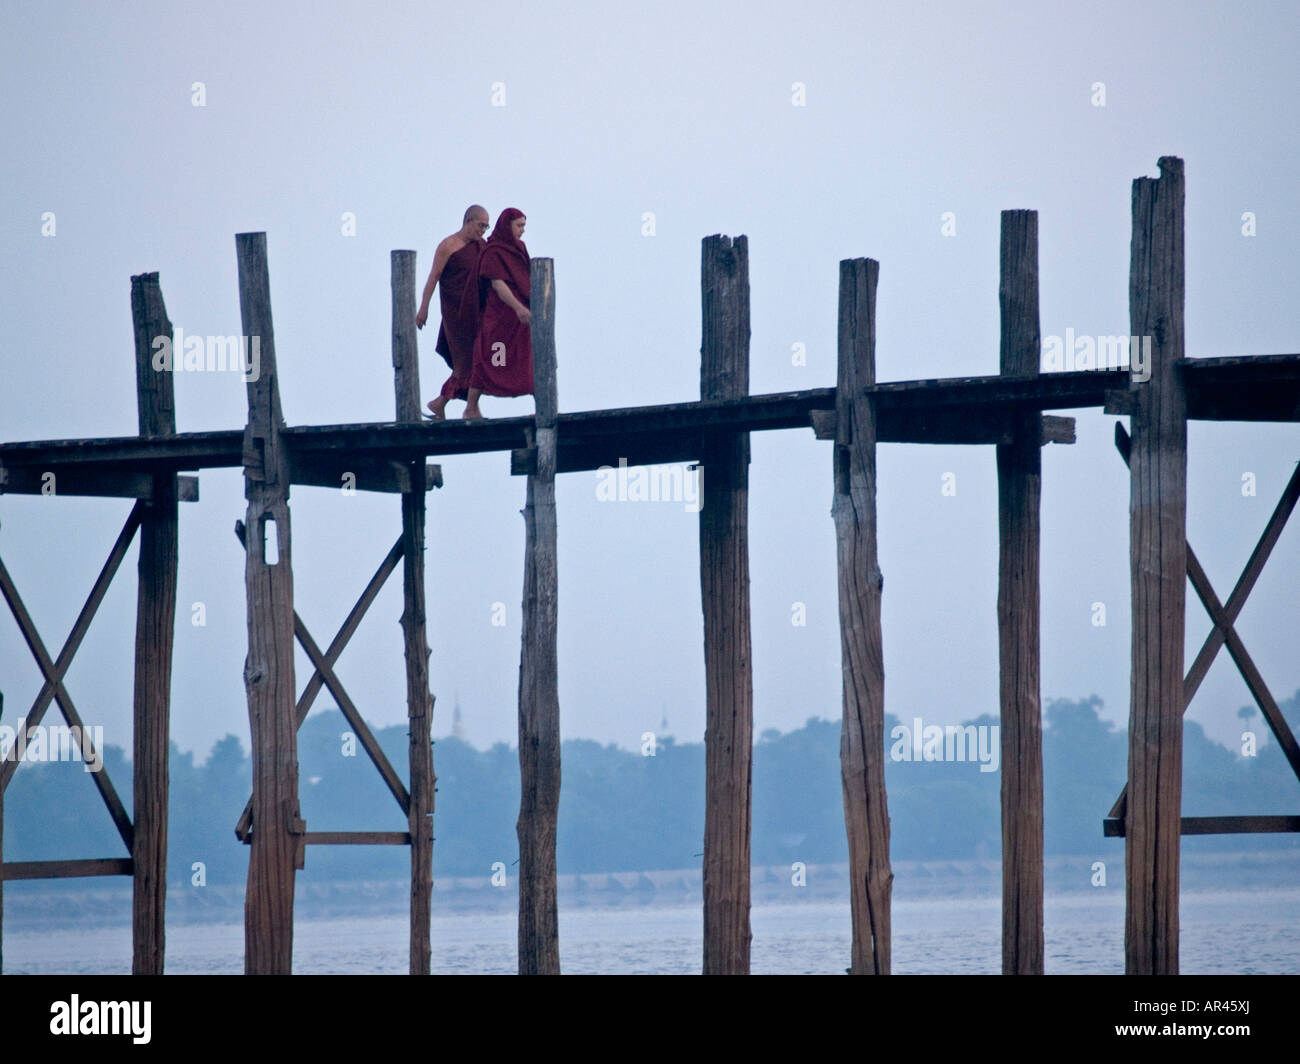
1019,489
419,700
862,735
276,848
724,588
539,699
154,633
1158,558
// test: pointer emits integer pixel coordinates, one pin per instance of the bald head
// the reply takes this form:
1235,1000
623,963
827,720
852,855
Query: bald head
475,223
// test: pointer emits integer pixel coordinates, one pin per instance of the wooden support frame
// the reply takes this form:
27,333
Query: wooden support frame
724,591
539,699
1224,618
862,736
53,690
324,676
1004,411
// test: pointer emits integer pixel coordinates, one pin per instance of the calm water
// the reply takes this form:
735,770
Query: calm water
1223,931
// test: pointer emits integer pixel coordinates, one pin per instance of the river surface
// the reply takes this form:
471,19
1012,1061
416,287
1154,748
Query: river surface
1247,931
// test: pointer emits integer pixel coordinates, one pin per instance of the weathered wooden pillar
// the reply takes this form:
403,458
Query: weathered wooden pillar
1019,490
1158,559
862,735
724,588
419,700
278,835
155,624
539,699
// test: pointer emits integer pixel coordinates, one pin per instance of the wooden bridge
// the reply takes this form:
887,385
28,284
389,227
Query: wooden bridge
1005,411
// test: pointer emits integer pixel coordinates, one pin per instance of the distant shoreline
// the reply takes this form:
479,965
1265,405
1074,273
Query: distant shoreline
32,905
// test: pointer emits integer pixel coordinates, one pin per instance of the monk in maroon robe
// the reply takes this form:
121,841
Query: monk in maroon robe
455,271
503,352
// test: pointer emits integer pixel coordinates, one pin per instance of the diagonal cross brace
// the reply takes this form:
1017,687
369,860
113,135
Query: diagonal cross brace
54,671
1225,616
324,677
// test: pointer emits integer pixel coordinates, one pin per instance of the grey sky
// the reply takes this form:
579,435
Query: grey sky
386,112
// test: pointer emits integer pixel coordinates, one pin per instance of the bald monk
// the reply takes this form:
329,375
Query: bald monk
455,267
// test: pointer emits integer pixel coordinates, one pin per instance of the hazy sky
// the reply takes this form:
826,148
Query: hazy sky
388,113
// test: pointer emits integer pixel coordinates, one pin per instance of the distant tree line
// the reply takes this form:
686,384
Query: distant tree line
623,811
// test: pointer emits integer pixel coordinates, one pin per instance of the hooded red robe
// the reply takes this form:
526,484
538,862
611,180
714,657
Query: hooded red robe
503,352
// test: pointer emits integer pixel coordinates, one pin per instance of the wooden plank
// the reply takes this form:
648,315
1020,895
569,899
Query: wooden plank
1249,388
419,700
1242,388
358,838
1019,466
862,742
1113,827
185,450
357,473
823,422
1158,559
539,700
108,866
724,588
155,624
95,482
277,848
1058,429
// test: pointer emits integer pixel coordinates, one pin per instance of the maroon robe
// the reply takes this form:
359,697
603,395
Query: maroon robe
503,352
459,318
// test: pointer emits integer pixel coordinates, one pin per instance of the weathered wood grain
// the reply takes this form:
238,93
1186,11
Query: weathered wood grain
539,700
860,582
276,847
155,625
419,700
724,590
1019,492
1158,560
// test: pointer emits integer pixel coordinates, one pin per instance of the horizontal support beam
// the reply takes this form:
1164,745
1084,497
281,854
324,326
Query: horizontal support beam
360,474
106,866
347,838
358,838
1055,430
1247,388
81,481
1113,827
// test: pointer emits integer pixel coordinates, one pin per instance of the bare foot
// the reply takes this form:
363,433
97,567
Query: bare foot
438,409
473,413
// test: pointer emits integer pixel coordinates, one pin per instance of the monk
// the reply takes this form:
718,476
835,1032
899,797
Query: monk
455,265
503,352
